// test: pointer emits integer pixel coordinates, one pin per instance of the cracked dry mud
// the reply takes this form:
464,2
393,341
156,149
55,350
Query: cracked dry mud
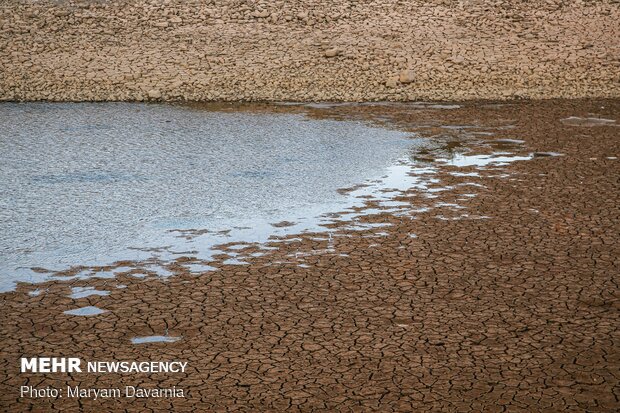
518,311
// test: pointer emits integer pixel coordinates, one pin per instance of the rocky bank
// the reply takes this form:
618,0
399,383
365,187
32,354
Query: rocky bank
308,50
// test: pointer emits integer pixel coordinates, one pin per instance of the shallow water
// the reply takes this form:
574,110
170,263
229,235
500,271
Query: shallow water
87,183
154,339
86,311
462,160
81,292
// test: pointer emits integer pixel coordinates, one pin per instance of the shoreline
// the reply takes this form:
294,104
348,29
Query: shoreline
513,305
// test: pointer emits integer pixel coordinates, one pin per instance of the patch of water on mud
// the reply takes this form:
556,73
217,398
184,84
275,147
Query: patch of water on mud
508,141
199,268
448,205
238,246
440,189
577,121
81,292
234,261
460,217
326,105
154,339
395,205
160,271
414,105
89,273
368,225
442,106
404,105
499,159
464,174
86,311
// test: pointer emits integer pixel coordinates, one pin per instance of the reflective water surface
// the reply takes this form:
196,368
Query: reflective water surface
90,184
85,184
86,311
154,339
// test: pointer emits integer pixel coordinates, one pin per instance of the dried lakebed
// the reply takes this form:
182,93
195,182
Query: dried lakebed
470,264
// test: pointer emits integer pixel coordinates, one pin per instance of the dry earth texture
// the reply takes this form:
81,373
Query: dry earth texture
308,50
510,304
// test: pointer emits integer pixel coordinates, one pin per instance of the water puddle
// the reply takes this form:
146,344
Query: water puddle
206,185
198,268
154,339
508,141
464,174
234,261
86,311
81,292
498,159
577,121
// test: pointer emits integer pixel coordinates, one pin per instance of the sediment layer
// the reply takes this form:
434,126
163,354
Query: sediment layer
308,50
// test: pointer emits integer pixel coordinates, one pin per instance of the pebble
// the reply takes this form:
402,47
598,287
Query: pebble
406,76
332,52
154,94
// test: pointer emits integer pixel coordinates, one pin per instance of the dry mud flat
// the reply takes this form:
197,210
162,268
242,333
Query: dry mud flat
84,50
510,303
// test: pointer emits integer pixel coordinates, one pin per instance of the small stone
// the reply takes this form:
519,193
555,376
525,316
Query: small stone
261,14
332,52
406,76
154,94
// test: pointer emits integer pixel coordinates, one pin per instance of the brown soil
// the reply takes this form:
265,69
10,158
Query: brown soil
515,312
308,50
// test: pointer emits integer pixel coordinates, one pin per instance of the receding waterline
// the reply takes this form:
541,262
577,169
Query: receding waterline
90,184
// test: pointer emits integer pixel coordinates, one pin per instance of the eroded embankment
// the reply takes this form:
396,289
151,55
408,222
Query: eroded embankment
308,50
